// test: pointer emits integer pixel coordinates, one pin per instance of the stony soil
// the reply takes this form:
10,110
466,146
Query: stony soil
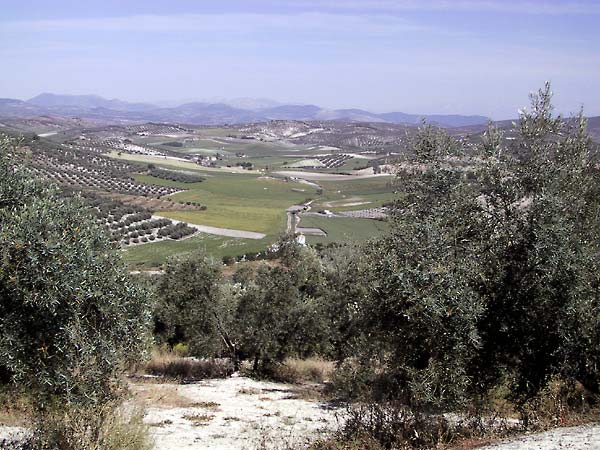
233,413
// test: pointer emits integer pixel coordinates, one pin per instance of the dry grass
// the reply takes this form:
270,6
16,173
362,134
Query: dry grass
311,370
15,408
106,427
563,403
171,364
206,405
162,395
249,391
199,419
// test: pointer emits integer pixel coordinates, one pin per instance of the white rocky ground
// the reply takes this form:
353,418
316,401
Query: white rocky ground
243,414
240,413
233,413
584,437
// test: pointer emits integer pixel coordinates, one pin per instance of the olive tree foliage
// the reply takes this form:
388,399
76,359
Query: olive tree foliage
264,313
69,317
539,225
346,288
489,273
419,317
196,306
281,309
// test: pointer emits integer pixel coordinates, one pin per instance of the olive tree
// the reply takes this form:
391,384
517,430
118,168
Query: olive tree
489,273
281,309
70,319
195,305
538,211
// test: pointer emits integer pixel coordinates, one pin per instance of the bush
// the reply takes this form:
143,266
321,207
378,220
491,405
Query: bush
389,426
181,350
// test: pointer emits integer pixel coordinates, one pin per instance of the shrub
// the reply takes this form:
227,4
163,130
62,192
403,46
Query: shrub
389,426
106,427
181,350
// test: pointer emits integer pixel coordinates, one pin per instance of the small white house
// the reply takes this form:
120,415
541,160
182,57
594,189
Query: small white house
301,239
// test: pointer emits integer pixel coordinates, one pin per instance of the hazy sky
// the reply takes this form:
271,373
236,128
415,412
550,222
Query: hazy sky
419,56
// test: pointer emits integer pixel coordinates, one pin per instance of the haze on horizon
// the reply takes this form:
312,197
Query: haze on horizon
429,56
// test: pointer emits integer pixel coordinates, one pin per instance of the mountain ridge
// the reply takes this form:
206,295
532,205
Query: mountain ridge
208,113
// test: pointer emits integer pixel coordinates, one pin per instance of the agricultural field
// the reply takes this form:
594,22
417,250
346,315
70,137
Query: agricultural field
354,194
342,229
244,202
177,188
154,255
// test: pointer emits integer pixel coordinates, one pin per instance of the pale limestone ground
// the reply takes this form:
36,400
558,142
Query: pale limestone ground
233,413
584,437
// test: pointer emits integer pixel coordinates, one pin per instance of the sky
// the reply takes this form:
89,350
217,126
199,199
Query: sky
416,56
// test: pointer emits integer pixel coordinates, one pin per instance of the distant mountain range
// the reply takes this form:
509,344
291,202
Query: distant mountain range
237,111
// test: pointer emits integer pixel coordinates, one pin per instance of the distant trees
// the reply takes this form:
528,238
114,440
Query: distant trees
173,175
69,318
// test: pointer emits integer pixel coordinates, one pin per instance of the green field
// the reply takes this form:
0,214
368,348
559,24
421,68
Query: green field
241,202
154,255
343,229
265,162
348,195
227,146
169,163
